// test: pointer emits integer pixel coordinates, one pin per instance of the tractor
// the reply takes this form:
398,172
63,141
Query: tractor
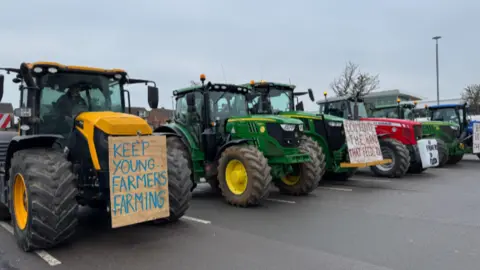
452,123
238,154
397,137
326,130
441,131
59,159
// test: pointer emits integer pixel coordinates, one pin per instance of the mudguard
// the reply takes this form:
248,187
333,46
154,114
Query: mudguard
228,144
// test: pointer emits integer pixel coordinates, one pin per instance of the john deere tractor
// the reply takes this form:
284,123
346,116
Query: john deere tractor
60,157
451,123
397,137
438,130
325,130
240,154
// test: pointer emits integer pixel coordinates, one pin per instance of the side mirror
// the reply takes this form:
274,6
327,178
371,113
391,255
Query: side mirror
191,102
2,79
310,94
299,106
153,97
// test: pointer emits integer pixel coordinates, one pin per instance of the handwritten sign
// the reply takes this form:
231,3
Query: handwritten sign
428,150
476,138
138,179
362,141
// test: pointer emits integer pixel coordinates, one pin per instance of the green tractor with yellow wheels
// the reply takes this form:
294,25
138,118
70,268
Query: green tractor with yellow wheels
239,154
326,130
59,159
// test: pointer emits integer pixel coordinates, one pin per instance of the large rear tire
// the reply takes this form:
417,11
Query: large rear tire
42,191
306,176
454,159
174,142
244,175
400,156
443,153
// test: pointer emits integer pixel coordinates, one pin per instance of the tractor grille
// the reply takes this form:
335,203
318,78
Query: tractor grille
335,135
284,138
417,130
451,133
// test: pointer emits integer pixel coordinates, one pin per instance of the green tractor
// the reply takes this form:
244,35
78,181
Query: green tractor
238,154
59,159
326,130
440,131
450,123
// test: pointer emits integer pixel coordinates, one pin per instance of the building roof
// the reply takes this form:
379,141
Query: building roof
393,92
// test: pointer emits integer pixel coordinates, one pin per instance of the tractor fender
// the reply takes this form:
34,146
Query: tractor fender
228,144
25,142
171,131
383,136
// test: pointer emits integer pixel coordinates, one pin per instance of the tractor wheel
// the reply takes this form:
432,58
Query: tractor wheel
416,167
313,145
306,176
395,150
454,159
244,175
442,153
179,185
175,142
42,191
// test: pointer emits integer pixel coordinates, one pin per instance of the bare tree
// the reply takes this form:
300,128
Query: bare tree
194,83
471,95
352,82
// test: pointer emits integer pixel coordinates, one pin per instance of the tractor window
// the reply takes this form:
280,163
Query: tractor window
445,115
338,109
181,109
280,100
227,104
362,111
385,113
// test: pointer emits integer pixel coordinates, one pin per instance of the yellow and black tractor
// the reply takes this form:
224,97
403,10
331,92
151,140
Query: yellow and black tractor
59,159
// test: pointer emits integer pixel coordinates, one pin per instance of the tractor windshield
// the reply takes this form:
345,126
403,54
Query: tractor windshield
64,95
343,109
445,115
392,112
226,104
280,100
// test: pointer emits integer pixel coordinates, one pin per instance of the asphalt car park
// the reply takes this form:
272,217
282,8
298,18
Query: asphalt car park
426,221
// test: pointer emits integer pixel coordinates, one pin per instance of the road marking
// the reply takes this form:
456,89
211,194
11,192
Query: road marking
196,220
52,261
280,201
337,189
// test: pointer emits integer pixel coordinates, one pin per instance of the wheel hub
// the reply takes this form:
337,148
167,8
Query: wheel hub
387,153
236,177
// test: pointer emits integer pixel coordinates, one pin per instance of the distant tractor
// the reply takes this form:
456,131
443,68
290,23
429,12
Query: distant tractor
240,154
452,123
397,137
60,156
326,130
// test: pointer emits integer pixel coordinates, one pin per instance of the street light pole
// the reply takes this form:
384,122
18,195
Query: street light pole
436,56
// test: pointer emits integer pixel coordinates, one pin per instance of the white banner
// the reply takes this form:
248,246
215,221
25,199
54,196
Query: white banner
428,149
362,141
476,138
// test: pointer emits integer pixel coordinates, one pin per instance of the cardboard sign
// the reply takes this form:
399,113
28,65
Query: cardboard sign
362,141
428,149
138,179
476,138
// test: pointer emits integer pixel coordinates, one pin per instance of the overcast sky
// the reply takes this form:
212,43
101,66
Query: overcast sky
306,42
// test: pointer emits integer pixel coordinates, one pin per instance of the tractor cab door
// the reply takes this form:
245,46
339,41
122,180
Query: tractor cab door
191,120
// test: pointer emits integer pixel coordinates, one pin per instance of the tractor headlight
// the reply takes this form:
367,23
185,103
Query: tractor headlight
300,127
335,124
288,127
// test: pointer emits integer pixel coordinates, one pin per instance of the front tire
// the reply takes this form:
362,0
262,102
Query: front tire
452,160
244,175
307,175
400,156
42,190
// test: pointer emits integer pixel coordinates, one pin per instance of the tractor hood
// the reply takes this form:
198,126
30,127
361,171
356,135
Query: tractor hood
307,115
393,120
113,123
266,119
439,123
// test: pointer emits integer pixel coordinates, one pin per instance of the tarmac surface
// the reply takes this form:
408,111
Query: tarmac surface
427,221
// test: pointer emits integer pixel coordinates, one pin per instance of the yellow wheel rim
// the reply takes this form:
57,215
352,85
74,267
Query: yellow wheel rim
290,180
20,201
236,177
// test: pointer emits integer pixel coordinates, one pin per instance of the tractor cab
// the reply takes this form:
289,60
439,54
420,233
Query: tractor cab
456,114
345,107
403,110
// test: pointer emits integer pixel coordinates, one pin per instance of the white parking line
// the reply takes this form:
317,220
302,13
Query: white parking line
52,261
196,220
337,189
280,201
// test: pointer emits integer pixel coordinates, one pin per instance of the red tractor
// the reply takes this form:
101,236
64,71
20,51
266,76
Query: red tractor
397,137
